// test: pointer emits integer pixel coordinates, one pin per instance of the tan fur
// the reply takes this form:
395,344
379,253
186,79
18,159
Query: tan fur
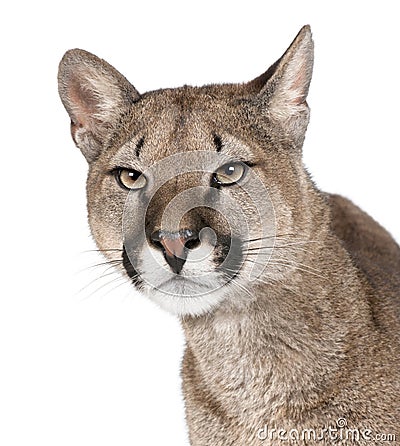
315,337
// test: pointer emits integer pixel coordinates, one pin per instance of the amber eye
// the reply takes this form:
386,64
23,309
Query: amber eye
229,173
130,179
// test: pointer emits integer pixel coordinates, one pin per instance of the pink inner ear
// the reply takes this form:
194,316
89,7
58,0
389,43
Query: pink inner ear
299,85
83,104
74,128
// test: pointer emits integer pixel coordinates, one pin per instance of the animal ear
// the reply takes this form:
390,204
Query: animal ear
96,97
282,90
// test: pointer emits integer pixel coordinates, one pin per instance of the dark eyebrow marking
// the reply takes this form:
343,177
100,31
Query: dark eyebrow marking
218,142
139,145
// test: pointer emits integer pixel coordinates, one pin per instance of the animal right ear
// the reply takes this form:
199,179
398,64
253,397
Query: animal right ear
96,97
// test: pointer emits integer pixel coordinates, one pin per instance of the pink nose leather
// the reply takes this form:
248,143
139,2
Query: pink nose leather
174,247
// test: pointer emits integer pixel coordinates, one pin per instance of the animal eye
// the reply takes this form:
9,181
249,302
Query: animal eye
130,179
229,173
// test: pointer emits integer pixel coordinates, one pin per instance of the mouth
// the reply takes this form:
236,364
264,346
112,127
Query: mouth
198,277
181,281
200,287
186,287
177,282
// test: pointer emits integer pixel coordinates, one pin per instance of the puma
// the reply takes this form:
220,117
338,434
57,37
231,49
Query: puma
289,297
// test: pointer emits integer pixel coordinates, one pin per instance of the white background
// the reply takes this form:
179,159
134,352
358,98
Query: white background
101,366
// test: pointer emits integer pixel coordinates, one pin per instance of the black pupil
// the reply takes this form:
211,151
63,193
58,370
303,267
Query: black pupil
229,169
133,175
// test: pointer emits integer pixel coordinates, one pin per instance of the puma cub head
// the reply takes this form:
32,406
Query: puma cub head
184,183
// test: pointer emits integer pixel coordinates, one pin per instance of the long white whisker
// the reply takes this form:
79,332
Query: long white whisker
297,266
242,287
100,277
115,279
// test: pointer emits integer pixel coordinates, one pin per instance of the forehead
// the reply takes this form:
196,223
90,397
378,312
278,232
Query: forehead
170,122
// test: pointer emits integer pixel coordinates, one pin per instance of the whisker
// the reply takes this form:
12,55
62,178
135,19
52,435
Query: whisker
259,247
288,261
108,262
267,237
233,281
99,278
291,242
102,250
240,286
287,245
293,262
298,266
118,286
115,279
257,279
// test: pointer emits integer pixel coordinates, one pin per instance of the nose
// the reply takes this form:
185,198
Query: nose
175,246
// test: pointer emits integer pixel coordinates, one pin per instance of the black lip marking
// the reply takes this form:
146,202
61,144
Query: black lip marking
176,263
130,270
230,256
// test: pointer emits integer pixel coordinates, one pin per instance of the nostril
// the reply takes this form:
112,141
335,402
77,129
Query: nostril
157,244
155,236
192,243
156,240
190,238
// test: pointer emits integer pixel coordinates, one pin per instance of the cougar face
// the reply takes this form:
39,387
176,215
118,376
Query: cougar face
189,188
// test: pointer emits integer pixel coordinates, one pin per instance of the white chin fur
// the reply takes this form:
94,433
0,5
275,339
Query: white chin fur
195,293
184,305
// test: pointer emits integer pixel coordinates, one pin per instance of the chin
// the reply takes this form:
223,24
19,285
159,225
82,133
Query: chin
185,297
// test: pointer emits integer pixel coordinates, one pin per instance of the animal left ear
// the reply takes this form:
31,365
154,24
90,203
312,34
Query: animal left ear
282,90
